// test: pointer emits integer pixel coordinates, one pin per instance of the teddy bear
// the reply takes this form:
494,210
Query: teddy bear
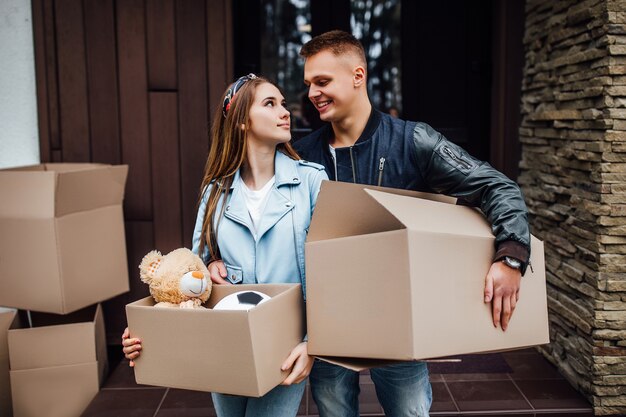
178,279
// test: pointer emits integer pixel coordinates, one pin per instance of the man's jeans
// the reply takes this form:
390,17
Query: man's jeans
282,401
403,389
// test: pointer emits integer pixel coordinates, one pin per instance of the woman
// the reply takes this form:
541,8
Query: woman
256,205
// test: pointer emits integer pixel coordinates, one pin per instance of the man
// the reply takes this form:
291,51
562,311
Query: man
363,145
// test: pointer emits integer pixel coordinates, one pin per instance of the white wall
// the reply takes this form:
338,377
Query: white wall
19,138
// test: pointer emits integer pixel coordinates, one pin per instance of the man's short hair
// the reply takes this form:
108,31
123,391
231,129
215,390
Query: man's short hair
336,41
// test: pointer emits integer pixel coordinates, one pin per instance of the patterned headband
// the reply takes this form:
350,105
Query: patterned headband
232,91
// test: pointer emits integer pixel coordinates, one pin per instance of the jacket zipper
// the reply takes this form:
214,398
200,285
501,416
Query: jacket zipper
381,167
334,158
458,159
353,167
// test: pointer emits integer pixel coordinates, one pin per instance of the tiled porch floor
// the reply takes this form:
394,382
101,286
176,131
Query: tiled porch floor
533,388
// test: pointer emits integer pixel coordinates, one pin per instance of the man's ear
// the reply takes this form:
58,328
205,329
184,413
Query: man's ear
359,76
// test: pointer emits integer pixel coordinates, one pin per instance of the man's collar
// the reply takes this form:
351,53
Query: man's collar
372,124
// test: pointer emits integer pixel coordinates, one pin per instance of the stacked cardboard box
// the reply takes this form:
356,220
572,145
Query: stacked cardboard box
61,361
62,236
63,249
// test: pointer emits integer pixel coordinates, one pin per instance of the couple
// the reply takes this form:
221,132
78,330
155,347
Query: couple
258,197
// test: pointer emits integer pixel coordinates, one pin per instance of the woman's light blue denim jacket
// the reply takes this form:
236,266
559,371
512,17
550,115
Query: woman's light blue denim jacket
277,255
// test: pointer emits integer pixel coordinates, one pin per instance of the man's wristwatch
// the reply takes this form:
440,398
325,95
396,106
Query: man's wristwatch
512,262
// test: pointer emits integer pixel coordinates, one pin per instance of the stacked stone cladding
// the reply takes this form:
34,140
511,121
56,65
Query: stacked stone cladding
573,175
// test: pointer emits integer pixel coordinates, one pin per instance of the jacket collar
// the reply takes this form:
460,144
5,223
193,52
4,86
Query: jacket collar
370,127
285,171
278,204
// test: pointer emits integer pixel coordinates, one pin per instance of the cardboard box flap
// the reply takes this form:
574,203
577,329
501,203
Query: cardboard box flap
345,209
433,216
86,189
7,317
27,194
37,167
43,191
72,166
358,364
57,340
42,347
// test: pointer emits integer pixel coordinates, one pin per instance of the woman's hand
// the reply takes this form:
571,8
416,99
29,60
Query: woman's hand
130,347
300,363
217,271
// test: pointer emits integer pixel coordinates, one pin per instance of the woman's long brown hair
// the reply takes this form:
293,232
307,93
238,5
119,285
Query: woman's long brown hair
227,153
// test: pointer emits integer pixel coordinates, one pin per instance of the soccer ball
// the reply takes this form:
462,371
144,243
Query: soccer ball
241,300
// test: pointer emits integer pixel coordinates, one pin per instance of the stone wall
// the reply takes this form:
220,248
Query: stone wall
573,136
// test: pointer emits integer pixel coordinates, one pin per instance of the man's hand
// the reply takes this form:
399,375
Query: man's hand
502,290
217,271
300,363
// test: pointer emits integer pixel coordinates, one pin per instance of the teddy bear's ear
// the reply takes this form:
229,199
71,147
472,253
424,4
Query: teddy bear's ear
149,265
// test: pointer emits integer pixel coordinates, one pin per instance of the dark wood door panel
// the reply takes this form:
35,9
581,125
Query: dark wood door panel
130,81
134,115
219,53
72,79
165,171
161,38
192,107
102,81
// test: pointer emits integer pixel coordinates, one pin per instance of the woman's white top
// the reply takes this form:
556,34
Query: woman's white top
256,201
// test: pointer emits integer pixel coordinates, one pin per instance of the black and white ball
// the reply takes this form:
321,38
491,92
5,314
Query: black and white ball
241,300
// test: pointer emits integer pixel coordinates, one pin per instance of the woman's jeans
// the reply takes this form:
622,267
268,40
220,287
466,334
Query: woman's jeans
282,401
403,389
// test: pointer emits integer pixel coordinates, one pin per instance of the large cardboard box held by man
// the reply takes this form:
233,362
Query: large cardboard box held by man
8,320
62,244
392,274
231,352
57,365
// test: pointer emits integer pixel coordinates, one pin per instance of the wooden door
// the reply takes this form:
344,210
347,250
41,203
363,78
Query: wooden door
134,82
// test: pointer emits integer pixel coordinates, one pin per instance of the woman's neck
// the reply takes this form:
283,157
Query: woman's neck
258,168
